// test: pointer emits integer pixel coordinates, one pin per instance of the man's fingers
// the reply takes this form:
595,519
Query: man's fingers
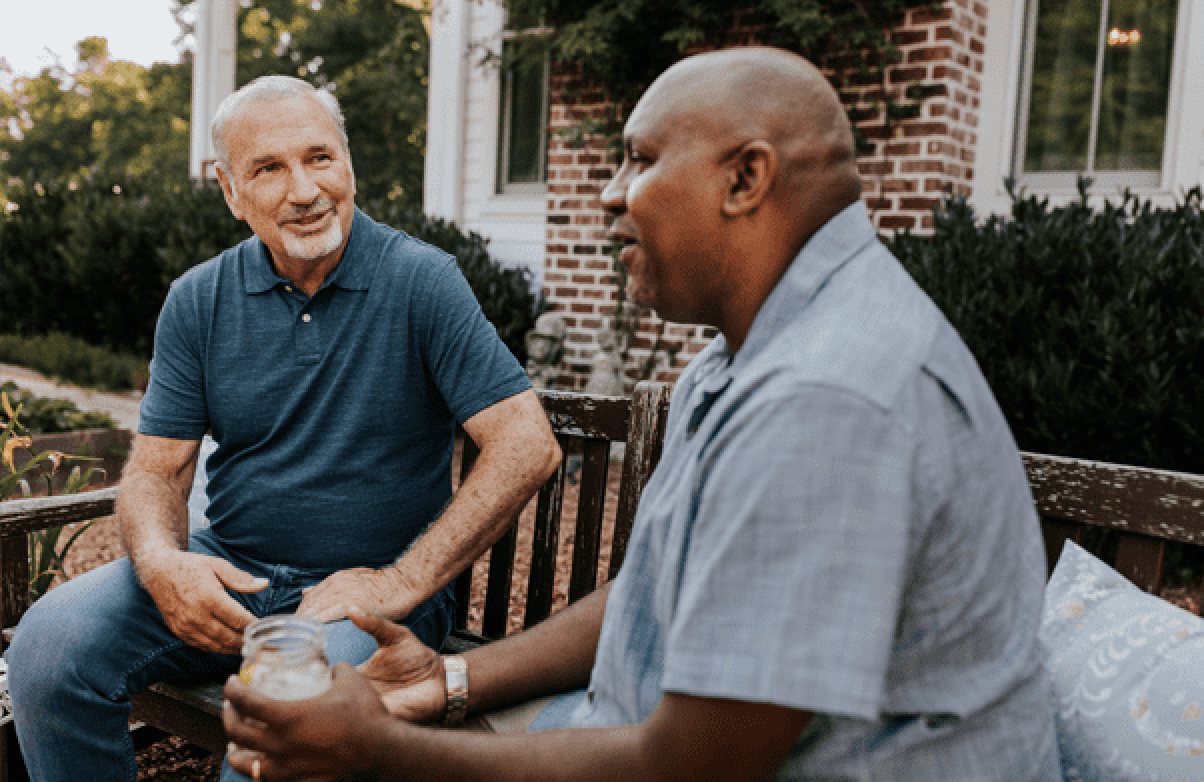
385,632
237,580
245,707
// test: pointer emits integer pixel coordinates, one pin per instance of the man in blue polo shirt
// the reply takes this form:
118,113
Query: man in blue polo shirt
331,357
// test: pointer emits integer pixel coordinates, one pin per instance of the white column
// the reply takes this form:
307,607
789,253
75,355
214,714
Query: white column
213,67
443,176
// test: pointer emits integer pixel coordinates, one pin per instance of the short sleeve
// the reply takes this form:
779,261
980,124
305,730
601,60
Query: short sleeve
174,404
471,366
792,580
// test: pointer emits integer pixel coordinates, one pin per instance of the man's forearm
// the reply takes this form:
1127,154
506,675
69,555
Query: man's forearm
556,655
515,460
151,517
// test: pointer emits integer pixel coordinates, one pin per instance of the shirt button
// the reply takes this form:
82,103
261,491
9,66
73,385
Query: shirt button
307,317
288,288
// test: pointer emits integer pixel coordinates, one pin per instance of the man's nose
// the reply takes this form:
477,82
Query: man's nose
614,195
303,189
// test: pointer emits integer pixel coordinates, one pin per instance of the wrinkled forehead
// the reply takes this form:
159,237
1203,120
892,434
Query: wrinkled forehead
679,109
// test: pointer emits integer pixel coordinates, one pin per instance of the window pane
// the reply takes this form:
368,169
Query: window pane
1059,111
526,85
1137,72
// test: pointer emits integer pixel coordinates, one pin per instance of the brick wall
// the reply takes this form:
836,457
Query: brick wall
912,163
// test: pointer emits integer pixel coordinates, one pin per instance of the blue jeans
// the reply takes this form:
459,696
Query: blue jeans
83,648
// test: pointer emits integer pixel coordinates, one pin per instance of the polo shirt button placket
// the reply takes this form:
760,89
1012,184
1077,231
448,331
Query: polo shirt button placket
309,348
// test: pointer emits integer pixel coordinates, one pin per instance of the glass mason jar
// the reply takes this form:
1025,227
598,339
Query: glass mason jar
284,657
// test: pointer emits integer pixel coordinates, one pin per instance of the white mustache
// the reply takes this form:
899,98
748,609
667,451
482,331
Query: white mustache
321,205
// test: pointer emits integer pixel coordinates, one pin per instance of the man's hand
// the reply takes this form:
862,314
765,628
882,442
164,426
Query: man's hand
362,587
406,673
330,737
190,591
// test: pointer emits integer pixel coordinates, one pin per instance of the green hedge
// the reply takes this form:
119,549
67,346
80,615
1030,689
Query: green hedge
75,361
39,415
94,261
1089,325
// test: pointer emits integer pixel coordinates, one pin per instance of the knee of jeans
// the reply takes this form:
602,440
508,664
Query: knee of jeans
45,652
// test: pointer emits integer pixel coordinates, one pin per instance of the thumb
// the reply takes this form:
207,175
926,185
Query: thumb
385,632
235,579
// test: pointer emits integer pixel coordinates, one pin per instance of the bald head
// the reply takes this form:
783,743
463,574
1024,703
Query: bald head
760,93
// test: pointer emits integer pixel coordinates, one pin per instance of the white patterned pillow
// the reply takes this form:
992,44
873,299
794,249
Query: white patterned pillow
1128,676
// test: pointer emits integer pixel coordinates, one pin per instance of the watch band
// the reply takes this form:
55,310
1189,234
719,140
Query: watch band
455,668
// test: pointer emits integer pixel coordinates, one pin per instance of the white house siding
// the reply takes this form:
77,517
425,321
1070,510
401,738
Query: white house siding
462,138
1004,60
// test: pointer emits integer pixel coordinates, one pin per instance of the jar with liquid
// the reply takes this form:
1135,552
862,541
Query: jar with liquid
284,657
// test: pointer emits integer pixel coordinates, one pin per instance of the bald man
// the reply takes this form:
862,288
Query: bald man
835,572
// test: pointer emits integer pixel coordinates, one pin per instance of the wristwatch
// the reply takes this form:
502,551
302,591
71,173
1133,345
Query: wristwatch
455,668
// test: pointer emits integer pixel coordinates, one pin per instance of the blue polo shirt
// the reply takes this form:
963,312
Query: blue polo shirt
334,414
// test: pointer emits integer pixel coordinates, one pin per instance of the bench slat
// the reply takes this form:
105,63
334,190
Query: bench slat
541,575
1159,503
1140,559
1056,532
645,434
38,513
463,585
591,502
497,585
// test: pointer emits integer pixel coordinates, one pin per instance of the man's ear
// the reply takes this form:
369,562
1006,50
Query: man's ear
229,192
751,174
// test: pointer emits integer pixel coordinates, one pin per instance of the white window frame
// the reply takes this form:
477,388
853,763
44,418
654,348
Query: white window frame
505,97
1000,124
1049,180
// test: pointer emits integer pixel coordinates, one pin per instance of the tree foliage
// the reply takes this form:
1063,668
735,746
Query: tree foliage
106,118
624,44
374,55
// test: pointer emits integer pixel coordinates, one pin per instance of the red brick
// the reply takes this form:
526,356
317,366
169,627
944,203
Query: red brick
593,324
977,47
924,16
598,266
945,72
909,37
879,204
919,204
558,219
556,249
876,168
900,149
559,189
587,190
584,249
906,75
929,54
594,293
582,307
570,203
568,263
896,222
566,293
922,167
899,186
914,129
947,33
553,277
585,279
568,233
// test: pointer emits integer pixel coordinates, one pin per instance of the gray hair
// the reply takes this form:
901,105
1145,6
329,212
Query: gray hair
267,88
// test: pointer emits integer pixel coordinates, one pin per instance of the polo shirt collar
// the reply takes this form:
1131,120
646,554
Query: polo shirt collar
828,249
354,272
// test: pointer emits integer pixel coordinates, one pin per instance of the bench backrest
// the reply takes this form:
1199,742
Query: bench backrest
586,426
1149,508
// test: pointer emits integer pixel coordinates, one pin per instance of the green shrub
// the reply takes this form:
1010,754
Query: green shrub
72,360
94,261
1089,325
39,415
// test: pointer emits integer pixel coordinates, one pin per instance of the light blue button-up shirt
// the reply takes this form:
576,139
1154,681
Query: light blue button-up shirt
841,523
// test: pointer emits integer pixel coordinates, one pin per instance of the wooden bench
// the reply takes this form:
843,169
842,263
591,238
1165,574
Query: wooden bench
1149,509
586,427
